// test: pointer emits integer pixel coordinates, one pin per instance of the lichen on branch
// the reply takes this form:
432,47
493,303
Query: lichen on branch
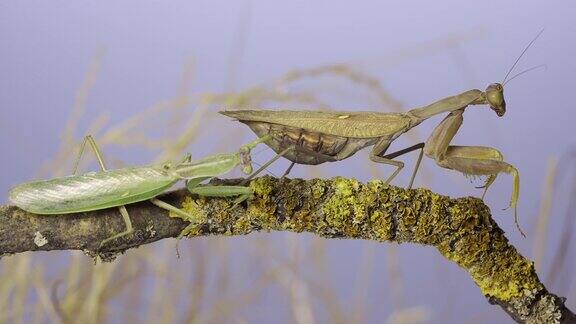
461,229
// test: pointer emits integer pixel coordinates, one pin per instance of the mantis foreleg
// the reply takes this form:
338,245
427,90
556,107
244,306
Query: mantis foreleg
478,152
223,191
472,160
243,193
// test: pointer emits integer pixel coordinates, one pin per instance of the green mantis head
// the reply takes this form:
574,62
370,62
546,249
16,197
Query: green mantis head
495,98
244,153
245,159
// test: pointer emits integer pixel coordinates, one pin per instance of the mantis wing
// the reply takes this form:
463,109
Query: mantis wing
91,191
347,124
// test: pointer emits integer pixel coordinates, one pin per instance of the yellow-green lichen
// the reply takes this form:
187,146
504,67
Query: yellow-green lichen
194,208
505,276
434,219
260,211
382,229
496,267
301,203
347,207
302,220
461,229
263,186
318,188
196,216
243,225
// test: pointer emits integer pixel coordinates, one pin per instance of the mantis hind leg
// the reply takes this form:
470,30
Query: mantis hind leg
288,170
398,164
123,211
97,152
480,160
284,152
127,222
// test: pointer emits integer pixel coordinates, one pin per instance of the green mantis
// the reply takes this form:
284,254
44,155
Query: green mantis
119,187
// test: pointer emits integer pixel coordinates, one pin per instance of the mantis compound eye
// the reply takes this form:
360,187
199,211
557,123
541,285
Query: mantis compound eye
495,98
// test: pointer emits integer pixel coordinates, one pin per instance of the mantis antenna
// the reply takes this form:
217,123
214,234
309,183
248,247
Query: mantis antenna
520,56
526,71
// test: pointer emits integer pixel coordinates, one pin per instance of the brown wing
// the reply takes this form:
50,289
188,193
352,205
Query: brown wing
364,124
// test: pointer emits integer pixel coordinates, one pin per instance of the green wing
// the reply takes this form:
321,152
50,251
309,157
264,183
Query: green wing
91,191
356,124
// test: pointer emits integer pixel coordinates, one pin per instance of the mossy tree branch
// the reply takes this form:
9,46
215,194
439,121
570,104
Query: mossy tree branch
461,229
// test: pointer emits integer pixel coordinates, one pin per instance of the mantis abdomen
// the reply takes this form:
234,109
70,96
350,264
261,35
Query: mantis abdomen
91,191
304,140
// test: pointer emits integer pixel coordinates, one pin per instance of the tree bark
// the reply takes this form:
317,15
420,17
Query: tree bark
462,230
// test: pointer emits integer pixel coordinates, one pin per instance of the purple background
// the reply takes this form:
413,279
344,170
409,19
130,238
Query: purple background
47,47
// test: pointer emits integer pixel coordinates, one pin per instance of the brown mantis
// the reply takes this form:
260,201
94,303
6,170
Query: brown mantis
316,137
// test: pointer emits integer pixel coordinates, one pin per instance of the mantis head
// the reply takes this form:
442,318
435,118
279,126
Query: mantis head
495,98
245,159
244,153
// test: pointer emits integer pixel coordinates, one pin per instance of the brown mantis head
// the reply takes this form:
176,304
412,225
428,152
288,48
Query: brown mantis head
495,98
